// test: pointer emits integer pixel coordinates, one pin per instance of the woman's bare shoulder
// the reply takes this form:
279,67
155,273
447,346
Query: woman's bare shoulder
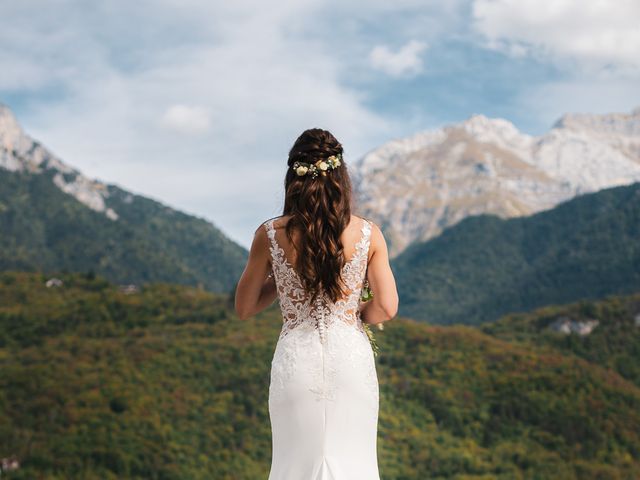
277,221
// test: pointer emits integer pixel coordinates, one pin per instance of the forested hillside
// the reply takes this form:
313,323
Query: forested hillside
166,383
485,266
613,343
43,228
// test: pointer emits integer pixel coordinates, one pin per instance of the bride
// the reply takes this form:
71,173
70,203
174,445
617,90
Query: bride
315,258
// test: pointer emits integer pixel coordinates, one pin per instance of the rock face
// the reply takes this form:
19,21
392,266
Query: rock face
19,152
567,325
417,186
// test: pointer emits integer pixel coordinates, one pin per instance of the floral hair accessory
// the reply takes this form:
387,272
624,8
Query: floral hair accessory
321,166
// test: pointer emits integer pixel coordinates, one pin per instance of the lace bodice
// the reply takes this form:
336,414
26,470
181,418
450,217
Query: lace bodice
295,301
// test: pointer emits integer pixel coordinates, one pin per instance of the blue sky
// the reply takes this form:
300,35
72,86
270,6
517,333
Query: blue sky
196,104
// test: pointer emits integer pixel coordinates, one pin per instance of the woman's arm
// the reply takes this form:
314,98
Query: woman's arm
255,290
268,293
384,304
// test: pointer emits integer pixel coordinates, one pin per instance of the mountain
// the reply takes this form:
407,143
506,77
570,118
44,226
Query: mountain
415,187
52,218
167,383
485,266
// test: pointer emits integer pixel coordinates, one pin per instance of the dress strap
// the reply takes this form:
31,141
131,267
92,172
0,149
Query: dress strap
271,232
367,239
273,248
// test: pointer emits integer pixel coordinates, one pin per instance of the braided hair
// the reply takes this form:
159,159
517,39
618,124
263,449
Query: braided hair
320,208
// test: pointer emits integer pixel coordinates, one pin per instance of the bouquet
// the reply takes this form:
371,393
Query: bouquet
367,295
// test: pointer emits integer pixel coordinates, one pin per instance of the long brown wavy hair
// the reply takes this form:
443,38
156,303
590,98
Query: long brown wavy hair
320,209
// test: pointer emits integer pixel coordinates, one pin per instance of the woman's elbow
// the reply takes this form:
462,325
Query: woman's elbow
390,312
241,312
390,309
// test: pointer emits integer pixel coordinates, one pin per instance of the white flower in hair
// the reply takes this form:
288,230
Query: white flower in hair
320,166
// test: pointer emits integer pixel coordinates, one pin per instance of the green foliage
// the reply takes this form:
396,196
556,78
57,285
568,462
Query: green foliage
614,343
484,266
44,229
157,384
167,383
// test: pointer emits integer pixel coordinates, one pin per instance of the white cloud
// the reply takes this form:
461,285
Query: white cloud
595,34
237,75
105,84
186,119
406,61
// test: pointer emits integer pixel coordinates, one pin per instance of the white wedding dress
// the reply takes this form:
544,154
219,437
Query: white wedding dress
323,395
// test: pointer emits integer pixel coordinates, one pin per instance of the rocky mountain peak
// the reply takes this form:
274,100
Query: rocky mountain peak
480,125
20,153
486,165
11,134
626,124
